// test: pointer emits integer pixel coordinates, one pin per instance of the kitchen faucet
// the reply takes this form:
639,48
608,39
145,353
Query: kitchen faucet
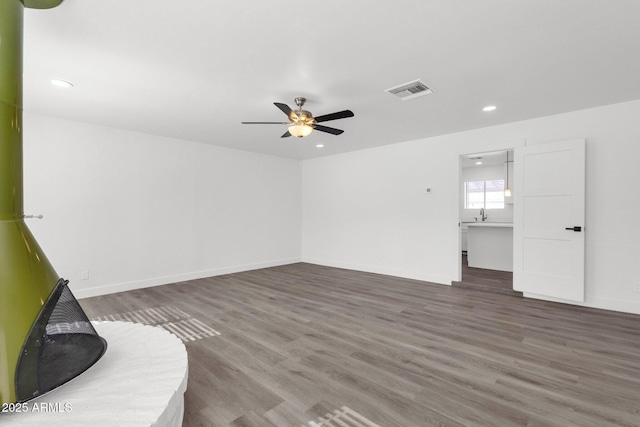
482,215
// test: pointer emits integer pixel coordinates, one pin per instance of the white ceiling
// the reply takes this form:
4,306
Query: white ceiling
493,158
195,69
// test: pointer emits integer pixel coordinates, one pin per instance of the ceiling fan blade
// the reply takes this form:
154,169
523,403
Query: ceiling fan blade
265,123
335,116
285,109
328,129
286,135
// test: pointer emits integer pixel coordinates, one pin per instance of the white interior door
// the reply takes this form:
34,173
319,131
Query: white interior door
548,232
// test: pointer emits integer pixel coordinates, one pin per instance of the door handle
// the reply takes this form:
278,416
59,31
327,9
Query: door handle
576,228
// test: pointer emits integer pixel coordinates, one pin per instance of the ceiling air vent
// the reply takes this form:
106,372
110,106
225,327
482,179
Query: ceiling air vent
410,90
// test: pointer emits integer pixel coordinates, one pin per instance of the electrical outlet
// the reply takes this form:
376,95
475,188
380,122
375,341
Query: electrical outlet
429,190
84,275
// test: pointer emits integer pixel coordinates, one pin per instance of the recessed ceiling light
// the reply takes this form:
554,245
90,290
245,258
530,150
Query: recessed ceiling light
489,108
319,145
478,162
61,83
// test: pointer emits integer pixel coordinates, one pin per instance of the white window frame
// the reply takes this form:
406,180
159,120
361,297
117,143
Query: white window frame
484,195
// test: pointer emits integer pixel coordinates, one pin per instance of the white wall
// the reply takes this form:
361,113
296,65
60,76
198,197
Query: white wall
137,210
368,210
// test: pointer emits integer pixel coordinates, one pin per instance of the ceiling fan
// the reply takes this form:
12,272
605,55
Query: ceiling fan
301,122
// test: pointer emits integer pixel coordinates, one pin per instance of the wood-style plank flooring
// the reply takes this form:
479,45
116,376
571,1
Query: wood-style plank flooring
481,279
299,342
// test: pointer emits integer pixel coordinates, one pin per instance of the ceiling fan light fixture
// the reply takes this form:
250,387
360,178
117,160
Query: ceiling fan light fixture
300,130
302,123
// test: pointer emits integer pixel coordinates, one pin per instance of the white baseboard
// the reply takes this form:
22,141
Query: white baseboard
600,303
158,281
380,270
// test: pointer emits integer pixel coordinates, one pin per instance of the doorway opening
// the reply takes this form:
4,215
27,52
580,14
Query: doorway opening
483,279
486,222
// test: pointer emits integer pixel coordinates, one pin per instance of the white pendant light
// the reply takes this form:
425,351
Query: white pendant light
507,190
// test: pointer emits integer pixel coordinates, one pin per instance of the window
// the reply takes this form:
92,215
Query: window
487,194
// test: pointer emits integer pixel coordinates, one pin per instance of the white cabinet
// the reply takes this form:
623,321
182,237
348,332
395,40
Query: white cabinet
490,245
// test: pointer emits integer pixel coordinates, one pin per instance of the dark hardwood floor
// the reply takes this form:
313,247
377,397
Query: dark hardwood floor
481,279
316,346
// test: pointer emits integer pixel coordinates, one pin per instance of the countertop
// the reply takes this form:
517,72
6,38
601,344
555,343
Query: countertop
490,224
